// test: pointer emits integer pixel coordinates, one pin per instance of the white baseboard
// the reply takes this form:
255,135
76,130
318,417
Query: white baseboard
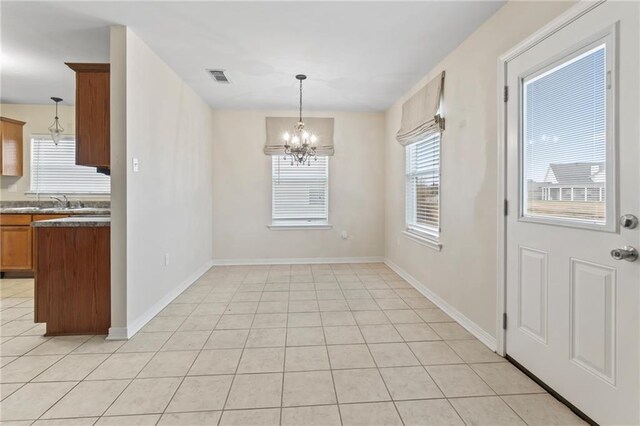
117,333
124,333
298,261
458,316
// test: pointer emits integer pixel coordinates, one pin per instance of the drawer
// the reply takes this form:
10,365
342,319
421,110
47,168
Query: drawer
15,219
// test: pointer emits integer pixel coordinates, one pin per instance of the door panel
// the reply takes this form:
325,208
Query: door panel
532,301
592,320
572,169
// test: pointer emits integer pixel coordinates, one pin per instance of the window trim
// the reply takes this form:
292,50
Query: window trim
36,192
299,224
424,235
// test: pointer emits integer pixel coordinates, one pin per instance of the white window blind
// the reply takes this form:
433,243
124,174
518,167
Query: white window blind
423,187
54,169
299,193
565,140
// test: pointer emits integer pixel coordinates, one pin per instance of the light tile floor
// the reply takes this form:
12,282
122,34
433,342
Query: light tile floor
268,345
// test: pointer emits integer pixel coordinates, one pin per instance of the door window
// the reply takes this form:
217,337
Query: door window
565,138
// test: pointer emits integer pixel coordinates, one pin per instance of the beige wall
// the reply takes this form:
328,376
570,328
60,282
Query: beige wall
464,273
118,146
168,203
242,191
38,119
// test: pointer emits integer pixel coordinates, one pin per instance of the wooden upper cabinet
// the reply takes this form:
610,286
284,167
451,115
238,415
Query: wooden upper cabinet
92,114
11,151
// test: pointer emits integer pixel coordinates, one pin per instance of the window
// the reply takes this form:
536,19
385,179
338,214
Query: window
423,187
299,193
565,159
54,169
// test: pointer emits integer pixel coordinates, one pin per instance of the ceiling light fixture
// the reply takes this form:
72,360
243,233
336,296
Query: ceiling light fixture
300,145
56,129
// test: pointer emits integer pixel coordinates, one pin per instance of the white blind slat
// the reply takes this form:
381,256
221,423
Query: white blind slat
423,186
299,193
565,142
54,169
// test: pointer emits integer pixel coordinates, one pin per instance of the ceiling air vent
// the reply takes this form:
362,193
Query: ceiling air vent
218,76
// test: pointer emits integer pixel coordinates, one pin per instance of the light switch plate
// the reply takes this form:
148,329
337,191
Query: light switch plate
135,165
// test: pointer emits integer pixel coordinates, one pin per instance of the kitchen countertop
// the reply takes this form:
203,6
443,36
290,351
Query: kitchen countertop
76,221
56,210
86,207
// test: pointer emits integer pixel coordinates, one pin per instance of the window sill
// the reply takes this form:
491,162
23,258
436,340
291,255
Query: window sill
432,243
298,226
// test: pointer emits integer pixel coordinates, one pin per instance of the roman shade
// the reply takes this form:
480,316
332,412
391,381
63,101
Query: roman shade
320,126
421,114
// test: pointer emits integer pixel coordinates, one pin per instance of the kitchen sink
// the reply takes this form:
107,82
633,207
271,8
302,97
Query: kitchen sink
68,209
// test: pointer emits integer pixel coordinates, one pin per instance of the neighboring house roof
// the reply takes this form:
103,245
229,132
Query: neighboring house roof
575,173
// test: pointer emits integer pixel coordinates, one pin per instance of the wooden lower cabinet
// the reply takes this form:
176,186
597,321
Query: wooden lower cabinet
73,279
17,248
17,244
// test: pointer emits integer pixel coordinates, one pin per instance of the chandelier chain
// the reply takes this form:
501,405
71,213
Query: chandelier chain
300,100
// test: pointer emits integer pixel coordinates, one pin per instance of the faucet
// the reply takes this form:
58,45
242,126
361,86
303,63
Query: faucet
62,202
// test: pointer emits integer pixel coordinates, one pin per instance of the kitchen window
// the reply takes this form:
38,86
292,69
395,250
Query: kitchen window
54,169
423,188
300,193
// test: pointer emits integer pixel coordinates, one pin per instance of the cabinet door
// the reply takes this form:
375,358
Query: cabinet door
11,150
92,114
16,248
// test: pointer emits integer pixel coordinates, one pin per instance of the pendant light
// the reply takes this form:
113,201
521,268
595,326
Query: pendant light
56,129
300,144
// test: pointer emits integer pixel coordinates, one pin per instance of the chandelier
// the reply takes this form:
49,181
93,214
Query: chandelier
300,145
56,129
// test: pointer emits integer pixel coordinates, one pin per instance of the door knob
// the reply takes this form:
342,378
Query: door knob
628,221
627,253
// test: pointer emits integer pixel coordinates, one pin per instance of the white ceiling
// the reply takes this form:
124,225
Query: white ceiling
358,55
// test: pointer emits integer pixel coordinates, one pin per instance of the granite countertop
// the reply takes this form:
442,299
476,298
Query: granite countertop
56,210
73,222
85,208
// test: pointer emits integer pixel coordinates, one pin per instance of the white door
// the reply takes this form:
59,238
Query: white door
572,170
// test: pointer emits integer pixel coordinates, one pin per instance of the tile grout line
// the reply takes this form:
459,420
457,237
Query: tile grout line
233,379
192,362
137,374
333,382
284,360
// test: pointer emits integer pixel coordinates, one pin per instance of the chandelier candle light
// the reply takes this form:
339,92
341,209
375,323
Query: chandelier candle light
56,129
300,145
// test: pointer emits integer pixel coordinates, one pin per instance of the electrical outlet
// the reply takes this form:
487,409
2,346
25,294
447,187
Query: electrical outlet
166,259
344,235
